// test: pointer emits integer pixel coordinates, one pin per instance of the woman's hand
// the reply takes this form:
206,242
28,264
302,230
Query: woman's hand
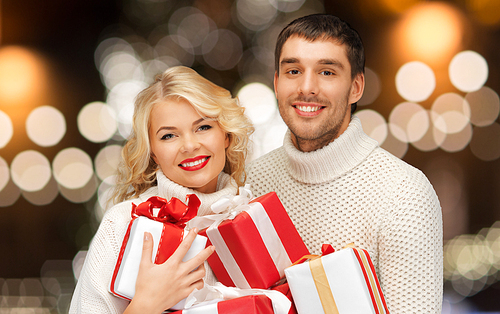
159,287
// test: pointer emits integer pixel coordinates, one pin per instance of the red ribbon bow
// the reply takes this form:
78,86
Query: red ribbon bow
173,211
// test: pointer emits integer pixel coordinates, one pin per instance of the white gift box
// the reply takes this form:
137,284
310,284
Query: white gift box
166,238
341,282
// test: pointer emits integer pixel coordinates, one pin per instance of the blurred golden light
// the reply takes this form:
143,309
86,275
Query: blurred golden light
398,6
431,139
408,122
374,124
44,196
107,160
395,146
46,126
9,194
485,11
259,102
430,31
415,81
120,66
80,195
255,15
6,129
30,170
22,75
4,173
485,106
456,142
121,99
450,113
72,168
222,49
97,122
485,143
287,5
274,137
468,71
104,192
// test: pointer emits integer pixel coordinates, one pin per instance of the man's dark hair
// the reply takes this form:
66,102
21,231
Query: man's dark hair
325,27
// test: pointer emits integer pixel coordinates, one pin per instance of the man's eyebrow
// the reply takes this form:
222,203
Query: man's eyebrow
333,62
288,61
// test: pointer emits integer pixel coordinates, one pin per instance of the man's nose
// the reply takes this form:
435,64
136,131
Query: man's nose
308,84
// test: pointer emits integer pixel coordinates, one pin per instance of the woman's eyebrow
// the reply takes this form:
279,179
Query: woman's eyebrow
165,128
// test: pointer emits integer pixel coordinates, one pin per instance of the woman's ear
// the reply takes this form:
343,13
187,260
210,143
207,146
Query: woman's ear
227,140
154,157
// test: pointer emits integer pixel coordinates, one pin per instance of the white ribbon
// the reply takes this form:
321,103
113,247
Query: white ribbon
281,304
227,207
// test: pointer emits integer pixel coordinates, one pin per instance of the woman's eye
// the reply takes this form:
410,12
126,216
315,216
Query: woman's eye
204,127
167,136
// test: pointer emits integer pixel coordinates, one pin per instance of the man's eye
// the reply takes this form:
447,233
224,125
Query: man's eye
204,127
294,72
327,73
167,136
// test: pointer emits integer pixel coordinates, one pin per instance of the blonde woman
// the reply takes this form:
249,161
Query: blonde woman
189,137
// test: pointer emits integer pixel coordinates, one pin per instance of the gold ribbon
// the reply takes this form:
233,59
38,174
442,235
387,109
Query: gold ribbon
323,287
321,281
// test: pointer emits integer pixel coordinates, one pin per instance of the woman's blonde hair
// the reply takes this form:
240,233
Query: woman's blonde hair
137,171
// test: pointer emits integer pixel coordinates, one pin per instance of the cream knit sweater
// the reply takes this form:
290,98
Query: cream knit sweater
354,191
91,294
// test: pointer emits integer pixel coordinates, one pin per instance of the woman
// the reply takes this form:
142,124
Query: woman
189,137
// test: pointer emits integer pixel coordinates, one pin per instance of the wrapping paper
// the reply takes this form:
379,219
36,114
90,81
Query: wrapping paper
167,229
280,303
285,290
340,282
252,304
254,241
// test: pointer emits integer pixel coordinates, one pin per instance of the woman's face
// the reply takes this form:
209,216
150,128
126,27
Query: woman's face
189,148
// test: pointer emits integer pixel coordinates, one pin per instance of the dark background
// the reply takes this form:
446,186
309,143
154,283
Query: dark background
66,34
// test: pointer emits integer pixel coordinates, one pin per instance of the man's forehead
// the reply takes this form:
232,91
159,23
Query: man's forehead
333,44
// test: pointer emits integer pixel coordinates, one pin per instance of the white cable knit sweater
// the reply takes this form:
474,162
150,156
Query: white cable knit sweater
91,293
354,191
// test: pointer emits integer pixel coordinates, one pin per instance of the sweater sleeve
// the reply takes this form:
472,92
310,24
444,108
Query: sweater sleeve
411,248
91,294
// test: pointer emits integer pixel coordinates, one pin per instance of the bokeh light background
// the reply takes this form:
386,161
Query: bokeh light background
69,72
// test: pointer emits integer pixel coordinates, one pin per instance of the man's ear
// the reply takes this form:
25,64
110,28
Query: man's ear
357,88
276,83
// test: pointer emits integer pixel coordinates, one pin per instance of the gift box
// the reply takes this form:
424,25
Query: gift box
253,248
165,220
340,282
252,304
285,289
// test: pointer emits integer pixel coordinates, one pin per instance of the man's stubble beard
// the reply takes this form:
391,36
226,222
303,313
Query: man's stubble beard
318,137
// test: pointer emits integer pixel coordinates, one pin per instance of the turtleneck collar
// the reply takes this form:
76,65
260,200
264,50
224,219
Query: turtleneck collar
169,189
329,162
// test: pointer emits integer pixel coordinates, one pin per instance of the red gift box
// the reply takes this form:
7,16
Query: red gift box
252,304
167,229
285,289
253,249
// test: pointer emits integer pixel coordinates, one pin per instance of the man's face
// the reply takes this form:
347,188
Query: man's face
314,91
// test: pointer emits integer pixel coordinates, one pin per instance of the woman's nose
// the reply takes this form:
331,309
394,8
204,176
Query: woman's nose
190,143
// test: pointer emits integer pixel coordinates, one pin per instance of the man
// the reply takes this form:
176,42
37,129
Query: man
336,183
